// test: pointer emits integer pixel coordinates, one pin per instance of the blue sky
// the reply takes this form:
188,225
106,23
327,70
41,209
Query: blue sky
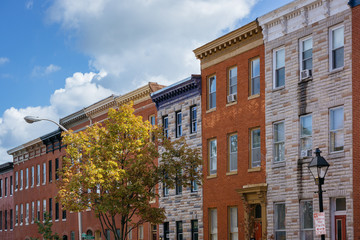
61,55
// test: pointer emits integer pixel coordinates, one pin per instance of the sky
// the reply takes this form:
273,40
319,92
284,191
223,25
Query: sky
58,56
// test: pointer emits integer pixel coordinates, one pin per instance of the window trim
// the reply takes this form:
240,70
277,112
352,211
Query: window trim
283,142
301,51
209,107
276,217
331,31
209,157
237,221
193,119
229,151
165,127
251,147
302,229
251,77
210,222
229,82
307,136
275,67
330,149
178,124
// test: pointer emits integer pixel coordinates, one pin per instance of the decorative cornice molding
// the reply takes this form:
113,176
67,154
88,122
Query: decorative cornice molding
73,118
100,107
6,167
178,90
26,146
228,40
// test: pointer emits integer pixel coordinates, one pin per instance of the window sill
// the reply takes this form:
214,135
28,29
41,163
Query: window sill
333,71
278,89
255,169
334,155
305,80
64,220
231,173
211,176
278,164
211,110
231,104
254,96
194,194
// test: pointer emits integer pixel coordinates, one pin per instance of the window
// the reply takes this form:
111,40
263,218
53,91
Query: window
280,232
165,188
38,211
26,178
1,188
255,155
255,77
107,234
11,219
178,124
178,184
336,129
141,232
193,119
194,230
279,68
16,181
21,179
63,214
50,208
166,126
279,142
21,214
38,175
32,212
306,215
1,218
179,230
6,186
16,215
56,169
306,49
72,235
130,234
166,231
27,214
306,136
152,120
44,173
212,156
6,218
50,171
11,185
233,149
232,80
336,47
57,211
233,226
212,92
213,224
44,209
32,175
194,186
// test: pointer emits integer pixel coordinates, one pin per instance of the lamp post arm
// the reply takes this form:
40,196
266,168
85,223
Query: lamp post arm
59,125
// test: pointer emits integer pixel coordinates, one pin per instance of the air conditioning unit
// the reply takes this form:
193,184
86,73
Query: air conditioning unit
305,74
306,153
231,98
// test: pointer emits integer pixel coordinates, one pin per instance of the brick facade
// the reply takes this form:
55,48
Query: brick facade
289,181
6,201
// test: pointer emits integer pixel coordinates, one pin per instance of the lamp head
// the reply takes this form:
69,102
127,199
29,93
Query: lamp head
318,166
31,119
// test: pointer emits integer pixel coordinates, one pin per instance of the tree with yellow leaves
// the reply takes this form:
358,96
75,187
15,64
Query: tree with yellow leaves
112,168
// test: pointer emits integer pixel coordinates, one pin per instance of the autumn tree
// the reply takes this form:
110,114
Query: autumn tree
112,168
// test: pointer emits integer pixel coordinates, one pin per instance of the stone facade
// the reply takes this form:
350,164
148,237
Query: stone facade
289,181
187,206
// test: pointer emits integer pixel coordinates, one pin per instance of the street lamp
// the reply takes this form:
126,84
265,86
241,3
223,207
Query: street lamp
32,119
318,168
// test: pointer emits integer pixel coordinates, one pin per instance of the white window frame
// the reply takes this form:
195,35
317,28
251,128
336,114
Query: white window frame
212,159
44,209
331,60
193,119
38,173
32,212
141,232
253,77
178,121
213,226
233,222
44,173
275,67
277,158
252,148
276,227
16,181
27,214
305,137
165,119
21,214
32,176
302,229
21,179
16,215
26,178
233,155
211,93
229,80
336,131
301,48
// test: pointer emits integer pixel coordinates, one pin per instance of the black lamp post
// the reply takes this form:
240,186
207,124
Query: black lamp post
318,168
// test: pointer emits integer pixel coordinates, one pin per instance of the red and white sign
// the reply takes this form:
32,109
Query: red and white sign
319,221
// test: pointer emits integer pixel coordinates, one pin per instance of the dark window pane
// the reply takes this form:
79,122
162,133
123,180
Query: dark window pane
280,77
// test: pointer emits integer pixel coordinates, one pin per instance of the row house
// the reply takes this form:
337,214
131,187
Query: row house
6,201
179,113
308,105
233,135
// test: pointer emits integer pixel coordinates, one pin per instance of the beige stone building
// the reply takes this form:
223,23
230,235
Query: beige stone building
308,97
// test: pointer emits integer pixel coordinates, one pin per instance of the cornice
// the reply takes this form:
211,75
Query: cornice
24,147
73,118
100,107
234,37
6,167
139,95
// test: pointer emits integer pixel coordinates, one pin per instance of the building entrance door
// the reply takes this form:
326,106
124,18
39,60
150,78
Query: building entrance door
340,227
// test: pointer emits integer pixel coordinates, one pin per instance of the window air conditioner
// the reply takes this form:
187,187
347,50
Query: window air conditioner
231,98
305,74
306,153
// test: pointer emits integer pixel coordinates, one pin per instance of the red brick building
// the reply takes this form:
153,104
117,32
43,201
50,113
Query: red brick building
35,174
233,130
6,201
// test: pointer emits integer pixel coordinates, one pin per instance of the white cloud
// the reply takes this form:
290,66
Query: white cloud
80,90
42,71
3,60
29,4
135,41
